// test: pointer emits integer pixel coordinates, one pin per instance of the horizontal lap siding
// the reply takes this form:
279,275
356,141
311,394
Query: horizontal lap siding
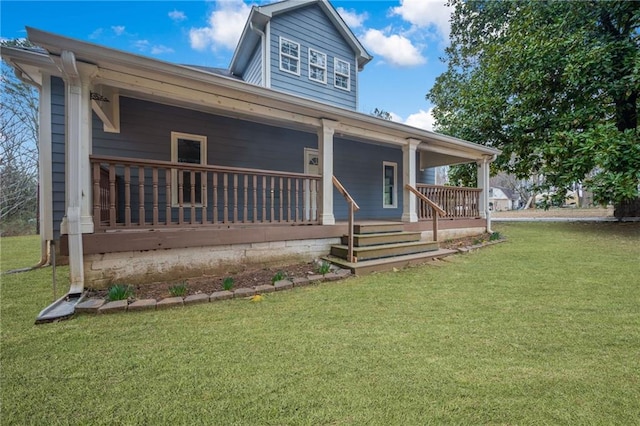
311,28
146,133
58,152
358,166
253,74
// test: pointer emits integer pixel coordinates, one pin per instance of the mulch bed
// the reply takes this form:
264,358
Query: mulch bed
253,277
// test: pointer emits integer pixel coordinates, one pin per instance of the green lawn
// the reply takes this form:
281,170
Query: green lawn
542,329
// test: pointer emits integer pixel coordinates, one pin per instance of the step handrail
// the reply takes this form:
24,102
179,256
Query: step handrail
353,207
435,207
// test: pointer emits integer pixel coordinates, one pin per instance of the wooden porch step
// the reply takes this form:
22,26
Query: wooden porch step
365,240
387,264
377,227
387,250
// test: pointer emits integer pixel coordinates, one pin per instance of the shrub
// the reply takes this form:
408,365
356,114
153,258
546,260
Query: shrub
279,276
227,283
323,268
494,236
119,292
178,290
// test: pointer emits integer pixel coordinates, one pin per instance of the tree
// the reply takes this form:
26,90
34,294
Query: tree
554,85
380,113
18,149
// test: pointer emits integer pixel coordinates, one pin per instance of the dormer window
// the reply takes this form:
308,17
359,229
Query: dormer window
341,74
317,66
289,56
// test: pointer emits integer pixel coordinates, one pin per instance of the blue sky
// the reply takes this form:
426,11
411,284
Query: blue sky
406,38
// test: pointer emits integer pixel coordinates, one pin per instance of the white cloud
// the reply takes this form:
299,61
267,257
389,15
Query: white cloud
118,29
96,34
177,15
141,45
395,49
424,13
161,49
352,18
422,119
225,26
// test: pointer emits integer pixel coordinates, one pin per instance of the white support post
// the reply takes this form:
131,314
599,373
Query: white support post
483,183
409,200
325,158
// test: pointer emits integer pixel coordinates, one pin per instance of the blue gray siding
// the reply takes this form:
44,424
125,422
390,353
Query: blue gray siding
359,167
310,27
58,152
253,73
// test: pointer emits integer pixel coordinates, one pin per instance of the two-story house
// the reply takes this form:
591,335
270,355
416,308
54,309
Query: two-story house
152,170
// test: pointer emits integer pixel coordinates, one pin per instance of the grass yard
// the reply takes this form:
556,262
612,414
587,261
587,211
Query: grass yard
542,329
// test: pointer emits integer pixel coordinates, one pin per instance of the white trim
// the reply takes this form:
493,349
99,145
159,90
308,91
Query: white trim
322,67
175,136
267,56
325,158
341,74
290,56
394,194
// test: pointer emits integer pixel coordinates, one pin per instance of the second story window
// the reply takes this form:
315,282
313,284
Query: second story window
289,56
317,66
341,74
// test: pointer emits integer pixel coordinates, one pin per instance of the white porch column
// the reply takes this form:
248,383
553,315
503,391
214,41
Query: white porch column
483,183
409,201
325,159
78,218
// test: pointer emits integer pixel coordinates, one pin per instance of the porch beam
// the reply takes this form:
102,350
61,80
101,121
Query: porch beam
325,158
199,94
409,201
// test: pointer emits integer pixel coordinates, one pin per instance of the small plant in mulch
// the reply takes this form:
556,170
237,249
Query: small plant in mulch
119,292
477,242
178,290
323,268
278,276
495,236
227,283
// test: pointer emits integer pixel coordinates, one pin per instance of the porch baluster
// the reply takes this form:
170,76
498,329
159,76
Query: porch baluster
245,181
272,198
215,197
255,198
141,212
97,196
112,195
167,197
225,188
180,197
154,177
127,196
235,198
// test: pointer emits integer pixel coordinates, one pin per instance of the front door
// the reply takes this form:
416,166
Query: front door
311,167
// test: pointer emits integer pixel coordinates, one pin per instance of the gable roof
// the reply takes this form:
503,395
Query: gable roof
261,15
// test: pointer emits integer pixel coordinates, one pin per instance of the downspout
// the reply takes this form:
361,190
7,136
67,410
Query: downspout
74,197
263,38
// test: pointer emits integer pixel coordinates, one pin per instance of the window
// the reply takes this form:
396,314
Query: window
389,190
317,66
341,74
190,149
289,56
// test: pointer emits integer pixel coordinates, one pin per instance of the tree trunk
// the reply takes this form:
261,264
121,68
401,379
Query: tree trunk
630,208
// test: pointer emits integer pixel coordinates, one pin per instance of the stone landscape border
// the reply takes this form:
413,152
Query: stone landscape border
101,306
